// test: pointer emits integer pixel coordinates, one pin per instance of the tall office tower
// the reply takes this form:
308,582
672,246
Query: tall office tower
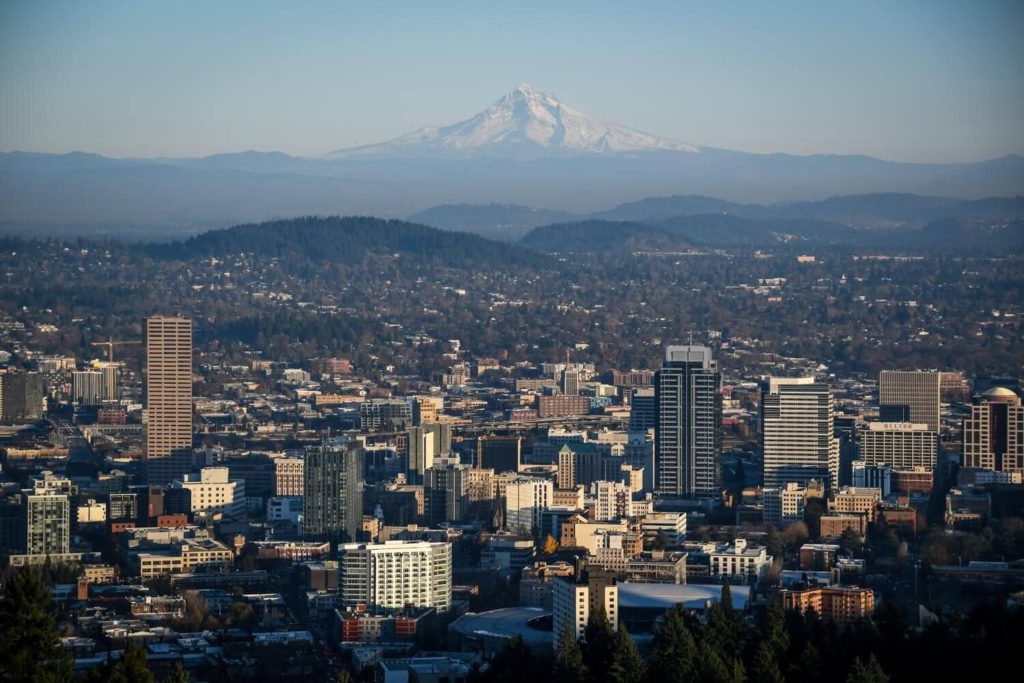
900,445
499,453
396,574
688,424
642,410
570,382
168,398
994,432
444,492
21,395
581,463
797,439
909,396
425,444
333,490
47,523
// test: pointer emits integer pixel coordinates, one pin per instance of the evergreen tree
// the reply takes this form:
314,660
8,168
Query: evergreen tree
867,672
180,675
723,632
569,664
713,668
773,630
809,665
131,668
726,601
30,648
515,663
765,666
598,645
674,657
627,664
739,672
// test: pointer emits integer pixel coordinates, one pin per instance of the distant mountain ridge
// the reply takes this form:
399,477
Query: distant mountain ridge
527,149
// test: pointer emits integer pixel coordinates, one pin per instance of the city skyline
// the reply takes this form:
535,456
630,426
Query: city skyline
658,342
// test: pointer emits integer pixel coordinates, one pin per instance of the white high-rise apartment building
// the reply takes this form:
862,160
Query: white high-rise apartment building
909,396
397,574
168,398
613,499
526,498
94,386
797,439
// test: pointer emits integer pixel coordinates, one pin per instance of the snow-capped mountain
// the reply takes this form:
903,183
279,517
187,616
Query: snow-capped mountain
525,122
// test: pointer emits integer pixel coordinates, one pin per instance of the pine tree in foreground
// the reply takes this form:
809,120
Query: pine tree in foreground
30,648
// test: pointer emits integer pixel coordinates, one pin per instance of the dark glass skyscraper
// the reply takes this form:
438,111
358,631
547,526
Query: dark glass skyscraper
688,424
333,493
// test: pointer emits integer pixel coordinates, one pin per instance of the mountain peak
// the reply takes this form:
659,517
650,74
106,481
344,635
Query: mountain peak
525,122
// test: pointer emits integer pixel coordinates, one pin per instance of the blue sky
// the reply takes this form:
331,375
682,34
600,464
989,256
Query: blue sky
915,81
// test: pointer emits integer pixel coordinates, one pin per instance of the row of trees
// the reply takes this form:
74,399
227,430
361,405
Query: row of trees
774,646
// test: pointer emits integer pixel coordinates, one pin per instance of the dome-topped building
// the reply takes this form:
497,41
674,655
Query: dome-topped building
994,432
1001,395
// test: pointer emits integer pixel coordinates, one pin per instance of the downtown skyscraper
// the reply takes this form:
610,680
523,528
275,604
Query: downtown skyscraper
797,439
688,424
334,493
909,396
168,398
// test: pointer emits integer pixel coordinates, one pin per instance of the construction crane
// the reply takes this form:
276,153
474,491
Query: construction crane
111,343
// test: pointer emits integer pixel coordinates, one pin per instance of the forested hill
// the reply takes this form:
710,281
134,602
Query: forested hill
601,236
349,240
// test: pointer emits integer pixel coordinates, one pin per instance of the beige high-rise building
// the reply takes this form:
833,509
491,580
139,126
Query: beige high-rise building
994,432
168,398
289,476
909,396
900,445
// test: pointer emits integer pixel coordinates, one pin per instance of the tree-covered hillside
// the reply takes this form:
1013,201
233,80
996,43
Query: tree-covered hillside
349,240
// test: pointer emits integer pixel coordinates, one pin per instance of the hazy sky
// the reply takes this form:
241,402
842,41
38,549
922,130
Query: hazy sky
919,81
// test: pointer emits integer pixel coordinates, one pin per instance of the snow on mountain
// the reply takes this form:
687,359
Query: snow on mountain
525,121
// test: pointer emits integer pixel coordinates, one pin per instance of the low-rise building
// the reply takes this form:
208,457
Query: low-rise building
841,604
784,505
672,525
213,492
856,500
834,524
739,560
